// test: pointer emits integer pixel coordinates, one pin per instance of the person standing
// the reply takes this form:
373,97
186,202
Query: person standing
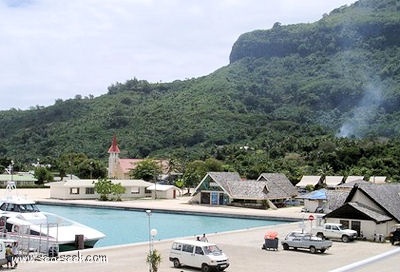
204,238
9,256
14,251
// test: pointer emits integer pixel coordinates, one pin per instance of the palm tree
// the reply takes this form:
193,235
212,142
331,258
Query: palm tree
154,260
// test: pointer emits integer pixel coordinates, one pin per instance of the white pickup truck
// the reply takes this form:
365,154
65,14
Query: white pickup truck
334,231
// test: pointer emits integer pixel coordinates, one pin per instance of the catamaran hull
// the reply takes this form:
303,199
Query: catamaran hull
73,246
43,244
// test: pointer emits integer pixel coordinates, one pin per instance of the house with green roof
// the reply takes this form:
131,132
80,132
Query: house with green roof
270,190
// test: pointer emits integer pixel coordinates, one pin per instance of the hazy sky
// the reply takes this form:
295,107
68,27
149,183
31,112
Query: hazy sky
56,49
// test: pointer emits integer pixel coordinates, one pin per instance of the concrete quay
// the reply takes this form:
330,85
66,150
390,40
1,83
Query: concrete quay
243,247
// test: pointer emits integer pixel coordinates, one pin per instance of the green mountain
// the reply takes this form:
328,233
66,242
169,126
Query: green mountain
288,93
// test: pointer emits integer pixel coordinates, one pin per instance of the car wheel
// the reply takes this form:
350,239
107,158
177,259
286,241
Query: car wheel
285,246
345,239
177,263
320,235
323,250
205,268
313,250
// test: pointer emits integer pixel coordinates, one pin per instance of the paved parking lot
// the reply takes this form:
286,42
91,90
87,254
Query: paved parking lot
244,251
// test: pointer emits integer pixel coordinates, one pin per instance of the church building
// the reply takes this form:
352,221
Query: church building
119,168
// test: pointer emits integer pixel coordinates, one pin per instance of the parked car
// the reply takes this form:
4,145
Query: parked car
334,231
394,235
319,210
292,202
203,255
297,239
304,209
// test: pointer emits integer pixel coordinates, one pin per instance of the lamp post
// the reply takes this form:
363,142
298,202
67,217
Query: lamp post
12,170
303,224
10,184
153,233
91,168
148,212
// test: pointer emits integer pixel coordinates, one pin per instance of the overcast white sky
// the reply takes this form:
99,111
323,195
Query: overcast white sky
56,49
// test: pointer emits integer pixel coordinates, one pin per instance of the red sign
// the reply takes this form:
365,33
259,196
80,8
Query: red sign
311,217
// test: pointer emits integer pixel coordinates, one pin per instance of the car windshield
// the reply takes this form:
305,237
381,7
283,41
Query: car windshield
339,227
211,250
295,234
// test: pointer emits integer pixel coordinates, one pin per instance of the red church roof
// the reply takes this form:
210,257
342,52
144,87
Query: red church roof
114,146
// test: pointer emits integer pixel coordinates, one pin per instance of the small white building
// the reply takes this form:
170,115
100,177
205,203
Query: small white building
21,179
84,189
164,191
370,209
353,178
309,181
378,179
332,182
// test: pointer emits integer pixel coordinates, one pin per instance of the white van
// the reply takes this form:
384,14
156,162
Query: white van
204,255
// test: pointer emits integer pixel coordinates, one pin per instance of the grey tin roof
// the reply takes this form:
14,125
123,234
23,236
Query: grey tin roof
268,186
386,196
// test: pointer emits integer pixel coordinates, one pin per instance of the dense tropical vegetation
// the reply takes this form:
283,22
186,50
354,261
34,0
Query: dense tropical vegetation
318,98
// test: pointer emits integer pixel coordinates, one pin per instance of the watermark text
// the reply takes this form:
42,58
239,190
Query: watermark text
63,258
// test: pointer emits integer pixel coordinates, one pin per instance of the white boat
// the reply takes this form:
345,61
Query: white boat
20,219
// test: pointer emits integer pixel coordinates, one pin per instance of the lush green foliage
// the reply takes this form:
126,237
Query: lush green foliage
300,99
42,174
105,188
147,169
196,170
117,190
154,260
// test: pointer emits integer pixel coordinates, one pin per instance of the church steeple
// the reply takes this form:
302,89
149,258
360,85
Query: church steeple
113,159
114,146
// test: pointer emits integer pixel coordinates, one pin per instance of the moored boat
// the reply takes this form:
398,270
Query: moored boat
21,219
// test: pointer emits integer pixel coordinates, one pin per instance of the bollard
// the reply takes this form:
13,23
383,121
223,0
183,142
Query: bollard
79,242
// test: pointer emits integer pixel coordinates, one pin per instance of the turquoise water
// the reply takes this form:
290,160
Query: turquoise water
124,226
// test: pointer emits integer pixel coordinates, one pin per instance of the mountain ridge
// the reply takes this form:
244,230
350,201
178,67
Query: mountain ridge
343,28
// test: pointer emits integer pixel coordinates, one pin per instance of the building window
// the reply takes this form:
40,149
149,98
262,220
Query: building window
89,191
135,190
74,191
345,224
205,198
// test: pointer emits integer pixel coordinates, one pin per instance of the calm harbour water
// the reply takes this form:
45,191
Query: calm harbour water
125,227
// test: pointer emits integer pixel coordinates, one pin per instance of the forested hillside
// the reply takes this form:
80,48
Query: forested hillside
299,99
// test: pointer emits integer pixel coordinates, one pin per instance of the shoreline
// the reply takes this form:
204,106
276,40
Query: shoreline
100,205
